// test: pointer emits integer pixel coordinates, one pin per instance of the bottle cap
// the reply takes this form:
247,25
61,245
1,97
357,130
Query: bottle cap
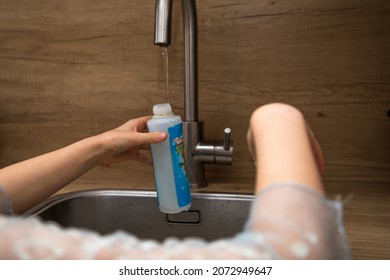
163,109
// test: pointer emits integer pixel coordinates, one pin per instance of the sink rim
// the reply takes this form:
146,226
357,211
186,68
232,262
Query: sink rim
56,199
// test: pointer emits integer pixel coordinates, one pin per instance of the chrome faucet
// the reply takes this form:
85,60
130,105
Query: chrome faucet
197,150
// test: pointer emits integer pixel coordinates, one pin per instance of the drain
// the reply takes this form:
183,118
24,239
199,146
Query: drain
191,217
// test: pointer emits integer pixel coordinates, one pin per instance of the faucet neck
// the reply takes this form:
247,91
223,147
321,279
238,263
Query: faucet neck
190,61
162,38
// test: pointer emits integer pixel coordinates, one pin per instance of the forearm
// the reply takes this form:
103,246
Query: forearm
33,180
283,148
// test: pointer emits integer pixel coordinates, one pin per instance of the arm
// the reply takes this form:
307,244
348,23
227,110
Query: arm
31,181
284,147
286,221
292,213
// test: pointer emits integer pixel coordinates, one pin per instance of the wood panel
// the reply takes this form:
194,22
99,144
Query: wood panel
74,68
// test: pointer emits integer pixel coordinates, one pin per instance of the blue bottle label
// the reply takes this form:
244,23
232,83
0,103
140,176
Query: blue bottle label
178,164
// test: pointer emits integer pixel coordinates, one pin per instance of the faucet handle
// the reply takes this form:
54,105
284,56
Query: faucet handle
214,151
223,152
226,142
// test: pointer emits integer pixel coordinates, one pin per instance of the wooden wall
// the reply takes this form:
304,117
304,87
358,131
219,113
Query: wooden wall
74,68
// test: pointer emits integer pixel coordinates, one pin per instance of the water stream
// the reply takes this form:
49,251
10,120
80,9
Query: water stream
164,53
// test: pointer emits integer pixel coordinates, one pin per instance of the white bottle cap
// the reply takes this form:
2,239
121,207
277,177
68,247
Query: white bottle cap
163,109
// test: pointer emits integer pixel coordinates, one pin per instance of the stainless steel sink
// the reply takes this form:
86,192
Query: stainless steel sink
211,216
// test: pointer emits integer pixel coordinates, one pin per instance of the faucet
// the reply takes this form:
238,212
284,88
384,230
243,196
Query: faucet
197,150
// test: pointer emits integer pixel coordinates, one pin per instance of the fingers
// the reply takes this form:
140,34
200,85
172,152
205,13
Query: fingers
316,150
146,146
144,139
144,159
319,157
138,124
156,137
250,144
141,123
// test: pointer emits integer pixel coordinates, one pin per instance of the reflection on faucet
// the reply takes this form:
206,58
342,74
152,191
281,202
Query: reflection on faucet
197,151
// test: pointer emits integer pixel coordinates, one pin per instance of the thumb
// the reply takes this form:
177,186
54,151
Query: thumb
149,138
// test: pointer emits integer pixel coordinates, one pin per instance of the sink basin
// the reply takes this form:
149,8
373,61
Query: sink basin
211,216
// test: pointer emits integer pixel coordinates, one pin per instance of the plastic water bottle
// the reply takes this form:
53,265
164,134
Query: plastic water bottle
170,175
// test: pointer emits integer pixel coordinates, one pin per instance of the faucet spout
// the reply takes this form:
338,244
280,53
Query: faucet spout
197,151
163,22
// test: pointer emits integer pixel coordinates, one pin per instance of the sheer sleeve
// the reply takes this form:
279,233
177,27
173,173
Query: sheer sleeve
299,223
287,221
